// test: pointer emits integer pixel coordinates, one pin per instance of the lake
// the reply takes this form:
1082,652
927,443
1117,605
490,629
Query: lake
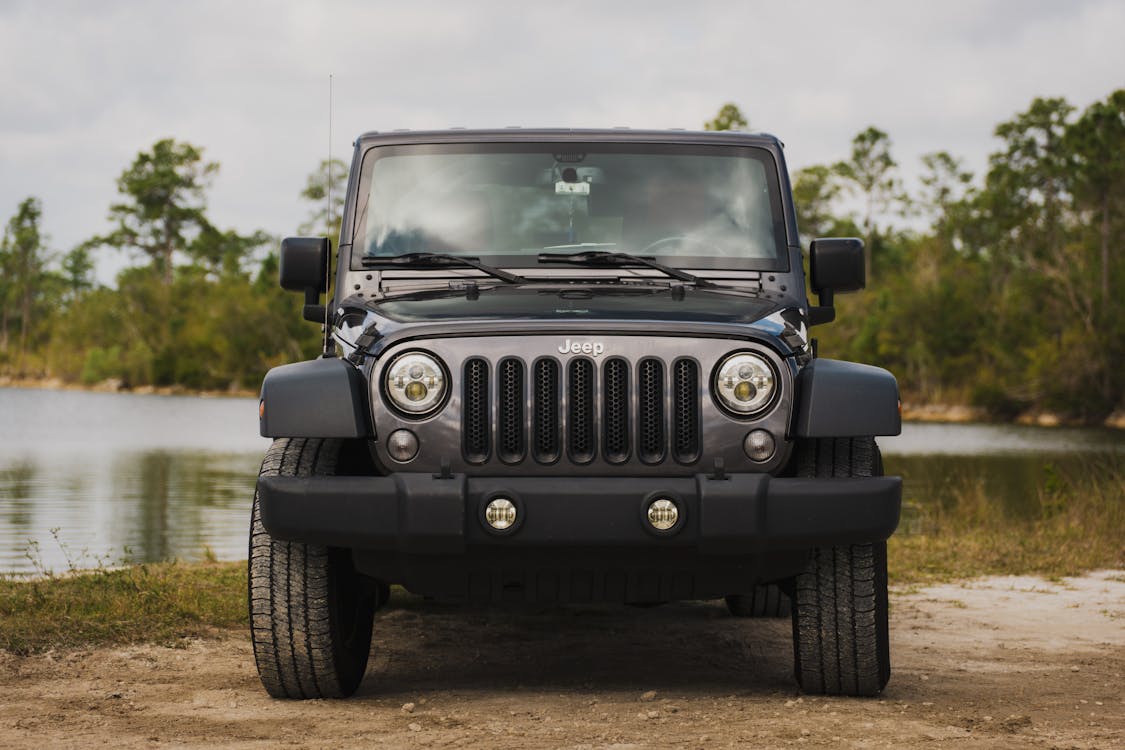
105,477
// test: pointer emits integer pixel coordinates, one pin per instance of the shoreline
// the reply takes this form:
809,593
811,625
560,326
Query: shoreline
109,386
911,412
960,414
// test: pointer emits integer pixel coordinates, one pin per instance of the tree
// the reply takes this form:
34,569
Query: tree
815,189
944,183
23,255
945,186
1027,179
225,252
1097,143
164,207
77,266
8,292
870,171
730,117
323,217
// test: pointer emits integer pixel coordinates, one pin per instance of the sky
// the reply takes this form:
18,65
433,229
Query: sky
85,86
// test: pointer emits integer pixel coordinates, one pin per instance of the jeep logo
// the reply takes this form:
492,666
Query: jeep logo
586,347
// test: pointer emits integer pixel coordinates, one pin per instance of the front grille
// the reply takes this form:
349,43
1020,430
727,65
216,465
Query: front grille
545,410
615,419
685,410
475,422
650,403
545,404
509,401
580,414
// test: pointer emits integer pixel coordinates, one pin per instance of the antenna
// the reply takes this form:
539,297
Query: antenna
329,350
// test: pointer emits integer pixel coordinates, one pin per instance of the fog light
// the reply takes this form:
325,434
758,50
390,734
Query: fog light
500,513
759,445
402,445
663,514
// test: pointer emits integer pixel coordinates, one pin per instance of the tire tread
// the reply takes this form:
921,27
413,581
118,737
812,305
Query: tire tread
840,627
296,626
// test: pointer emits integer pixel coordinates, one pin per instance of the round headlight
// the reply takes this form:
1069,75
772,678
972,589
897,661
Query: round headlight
745,383
415,383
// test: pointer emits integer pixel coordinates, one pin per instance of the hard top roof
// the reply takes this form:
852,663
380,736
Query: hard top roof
531,135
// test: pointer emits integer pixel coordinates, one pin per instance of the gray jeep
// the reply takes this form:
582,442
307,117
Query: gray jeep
571,366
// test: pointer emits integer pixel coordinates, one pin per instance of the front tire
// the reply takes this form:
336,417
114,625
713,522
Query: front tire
311,613
841,638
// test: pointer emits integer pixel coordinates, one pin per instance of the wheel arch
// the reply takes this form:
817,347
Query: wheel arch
320,398
845,399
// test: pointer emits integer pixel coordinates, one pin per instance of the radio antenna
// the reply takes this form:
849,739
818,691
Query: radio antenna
329,350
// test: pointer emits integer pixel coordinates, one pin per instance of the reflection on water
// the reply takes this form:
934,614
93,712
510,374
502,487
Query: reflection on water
95,477
1011,464
150,478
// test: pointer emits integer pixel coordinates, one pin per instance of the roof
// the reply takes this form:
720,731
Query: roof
531,135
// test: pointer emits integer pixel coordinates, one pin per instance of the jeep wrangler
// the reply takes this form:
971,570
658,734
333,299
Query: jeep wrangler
571,366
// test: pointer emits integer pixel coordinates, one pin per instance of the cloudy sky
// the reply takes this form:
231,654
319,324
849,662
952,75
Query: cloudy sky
85,85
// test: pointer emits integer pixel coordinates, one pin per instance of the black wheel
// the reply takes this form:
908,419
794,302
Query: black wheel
310,612
841,638
767,600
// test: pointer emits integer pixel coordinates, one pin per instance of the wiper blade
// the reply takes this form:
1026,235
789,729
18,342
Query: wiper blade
604,258
443,259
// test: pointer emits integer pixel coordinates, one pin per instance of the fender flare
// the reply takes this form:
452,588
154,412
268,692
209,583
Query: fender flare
845,399
321,398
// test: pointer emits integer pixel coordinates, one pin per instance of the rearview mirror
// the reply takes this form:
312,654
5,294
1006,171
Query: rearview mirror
835,265
304,268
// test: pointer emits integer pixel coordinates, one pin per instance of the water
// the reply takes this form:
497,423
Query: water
1013,464
111,477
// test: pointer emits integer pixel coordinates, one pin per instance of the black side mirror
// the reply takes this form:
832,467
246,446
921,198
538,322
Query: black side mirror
835,265
304,268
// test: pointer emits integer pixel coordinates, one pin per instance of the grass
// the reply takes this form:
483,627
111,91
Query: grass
153,603
1078,524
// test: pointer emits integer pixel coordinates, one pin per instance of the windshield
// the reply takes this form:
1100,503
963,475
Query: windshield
687,206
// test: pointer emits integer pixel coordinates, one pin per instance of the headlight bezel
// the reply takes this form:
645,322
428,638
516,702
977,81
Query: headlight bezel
404,407
756,407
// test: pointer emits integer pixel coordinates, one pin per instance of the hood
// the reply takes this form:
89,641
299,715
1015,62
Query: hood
583,303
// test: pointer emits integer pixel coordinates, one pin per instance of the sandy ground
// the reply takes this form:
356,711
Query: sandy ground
995,663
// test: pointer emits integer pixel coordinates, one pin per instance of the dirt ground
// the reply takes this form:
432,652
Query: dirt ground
995,663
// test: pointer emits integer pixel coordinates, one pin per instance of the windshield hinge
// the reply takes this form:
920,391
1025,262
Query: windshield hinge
362,345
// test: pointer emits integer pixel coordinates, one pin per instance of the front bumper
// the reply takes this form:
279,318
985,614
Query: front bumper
417,514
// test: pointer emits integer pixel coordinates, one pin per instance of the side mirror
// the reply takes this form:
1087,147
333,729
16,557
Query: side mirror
835,265
304,268
304,263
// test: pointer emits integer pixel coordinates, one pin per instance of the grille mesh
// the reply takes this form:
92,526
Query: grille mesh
510,401
545,410
475,427
685,410
643,409
650,405
580,411
615,417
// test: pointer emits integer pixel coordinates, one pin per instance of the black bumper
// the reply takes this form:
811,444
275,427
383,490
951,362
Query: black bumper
419,515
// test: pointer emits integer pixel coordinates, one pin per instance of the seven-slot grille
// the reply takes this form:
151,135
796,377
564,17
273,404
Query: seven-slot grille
549,410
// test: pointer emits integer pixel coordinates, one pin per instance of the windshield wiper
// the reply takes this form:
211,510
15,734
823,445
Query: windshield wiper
605,258
443,259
